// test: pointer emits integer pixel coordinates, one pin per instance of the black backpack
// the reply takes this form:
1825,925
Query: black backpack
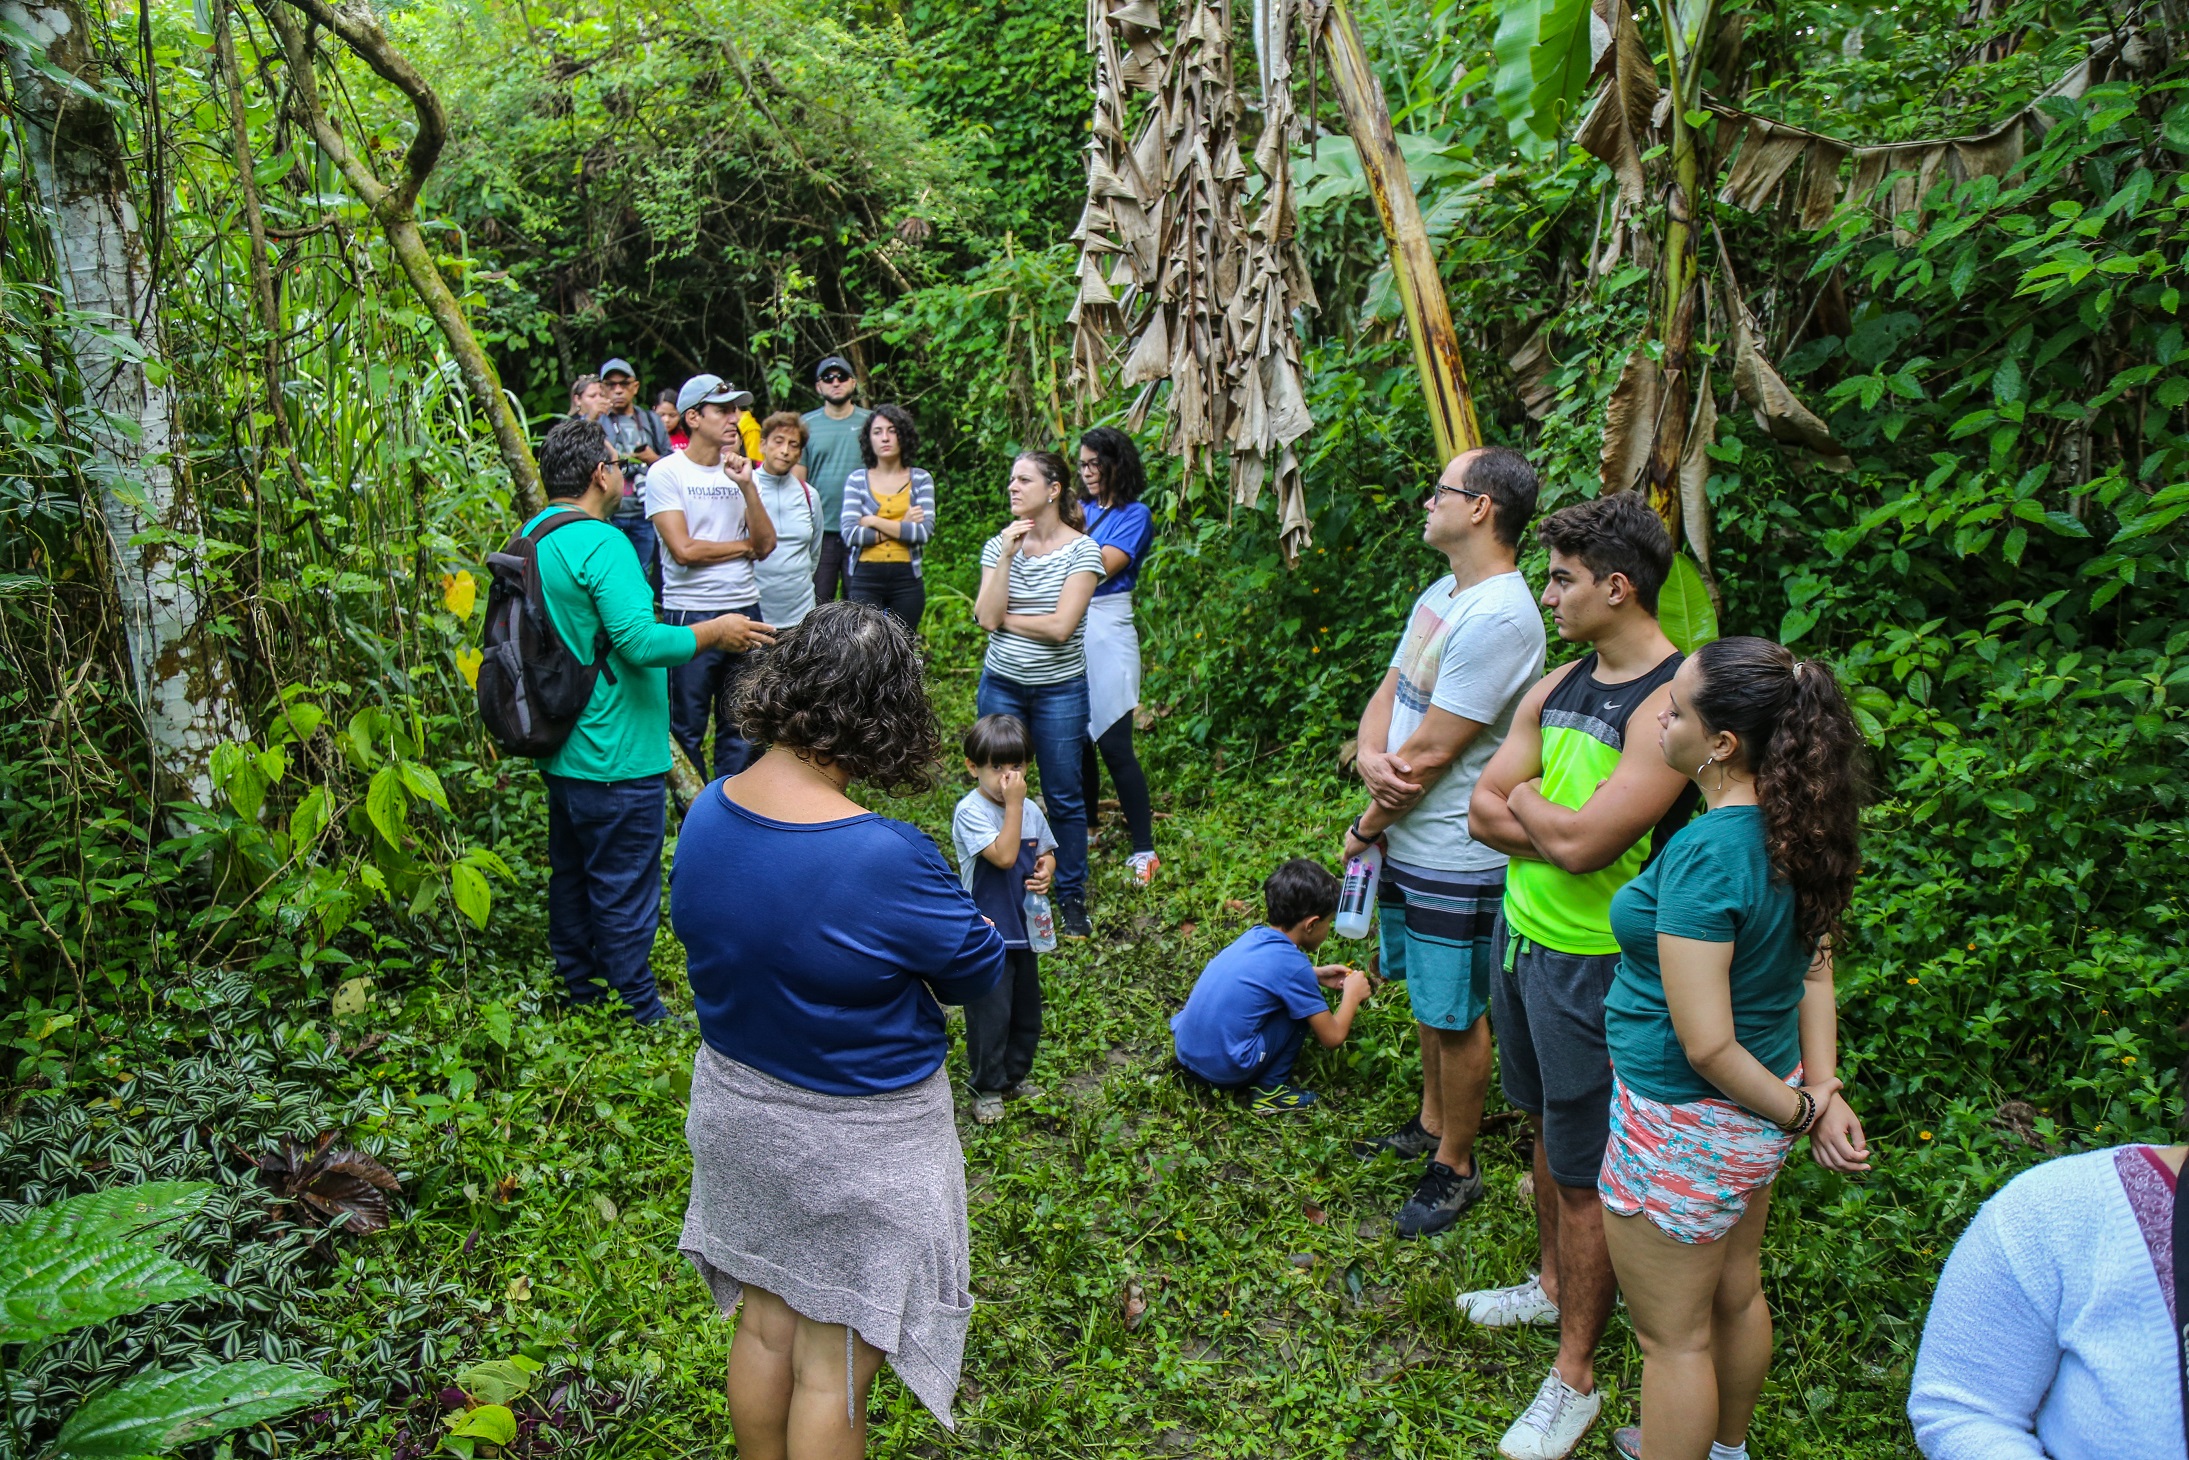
532,689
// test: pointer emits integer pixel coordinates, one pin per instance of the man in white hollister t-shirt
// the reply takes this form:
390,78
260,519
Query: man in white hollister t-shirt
713,528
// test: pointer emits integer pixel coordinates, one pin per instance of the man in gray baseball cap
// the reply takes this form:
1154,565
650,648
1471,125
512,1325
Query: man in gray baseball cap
714,526
832,454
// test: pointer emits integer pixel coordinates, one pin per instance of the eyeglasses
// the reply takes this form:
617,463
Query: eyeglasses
1438,490
834,377
1087,466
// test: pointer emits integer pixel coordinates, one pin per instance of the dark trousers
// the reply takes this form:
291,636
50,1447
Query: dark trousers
1278,1067
646,542
828,568
1003,1026
895,588
1056,716
702,687
1116,745
604,888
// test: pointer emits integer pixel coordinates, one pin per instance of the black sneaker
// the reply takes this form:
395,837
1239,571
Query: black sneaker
1072,918
1411,1140
1437,1202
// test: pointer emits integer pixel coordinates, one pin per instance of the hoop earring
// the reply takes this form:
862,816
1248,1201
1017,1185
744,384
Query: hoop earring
1706,765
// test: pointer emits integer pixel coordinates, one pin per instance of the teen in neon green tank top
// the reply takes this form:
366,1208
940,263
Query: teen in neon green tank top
1585,726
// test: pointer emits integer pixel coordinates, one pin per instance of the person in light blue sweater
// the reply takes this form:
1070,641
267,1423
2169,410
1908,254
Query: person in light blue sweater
2052,1330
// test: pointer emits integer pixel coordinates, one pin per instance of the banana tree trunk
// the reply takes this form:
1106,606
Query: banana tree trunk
178,670
1413,264
1687,26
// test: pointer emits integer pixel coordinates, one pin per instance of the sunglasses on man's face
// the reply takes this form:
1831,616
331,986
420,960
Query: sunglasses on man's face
834,377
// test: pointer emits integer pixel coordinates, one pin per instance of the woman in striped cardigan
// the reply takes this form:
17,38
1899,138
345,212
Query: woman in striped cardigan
889,514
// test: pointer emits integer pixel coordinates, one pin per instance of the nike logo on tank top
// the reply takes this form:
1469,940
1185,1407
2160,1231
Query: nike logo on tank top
1585,727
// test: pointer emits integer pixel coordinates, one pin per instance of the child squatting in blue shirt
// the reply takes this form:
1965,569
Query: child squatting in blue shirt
1257,1001
1005,850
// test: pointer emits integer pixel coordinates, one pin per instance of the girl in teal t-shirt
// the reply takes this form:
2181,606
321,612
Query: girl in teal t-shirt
1722,1030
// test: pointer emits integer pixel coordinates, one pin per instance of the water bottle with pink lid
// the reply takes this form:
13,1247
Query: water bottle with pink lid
1357,898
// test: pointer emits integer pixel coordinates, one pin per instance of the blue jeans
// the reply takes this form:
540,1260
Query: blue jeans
1056,716
647,542
703,686
604,887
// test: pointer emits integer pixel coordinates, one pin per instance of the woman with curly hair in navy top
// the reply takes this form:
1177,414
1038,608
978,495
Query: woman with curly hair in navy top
828,1189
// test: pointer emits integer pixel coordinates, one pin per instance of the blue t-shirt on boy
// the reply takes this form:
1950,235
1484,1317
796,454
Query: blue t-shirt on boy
1241,1005
1129,527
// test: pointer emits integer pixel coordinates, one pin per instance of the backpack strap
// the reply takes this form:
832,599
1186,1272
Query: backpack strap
538,532
2181,1290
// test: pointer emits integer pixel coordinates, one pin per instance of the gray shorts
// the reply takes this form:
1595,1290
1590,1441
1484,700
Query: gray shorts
1547,1008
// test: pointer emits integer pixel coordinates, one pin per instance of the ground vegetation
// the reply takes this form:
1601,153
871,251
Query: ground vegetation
342,931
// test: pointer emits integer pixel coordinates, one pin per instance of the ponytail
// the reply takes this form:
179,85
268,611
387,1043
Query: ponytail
1058,475
1803,746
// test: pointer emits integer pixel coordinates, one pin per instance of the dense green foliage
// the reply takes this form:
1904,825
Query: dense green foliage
351,937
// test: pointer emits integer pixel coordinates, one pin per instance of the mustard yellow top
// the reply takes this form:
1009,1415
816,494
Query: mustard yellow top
892,505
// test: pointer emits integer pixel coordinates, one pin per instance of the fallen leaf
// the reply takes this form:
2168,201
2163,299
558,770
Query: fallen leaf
1303,1259
1187,930
1136,1306
1234,905
520,1289
1314,1213
339,1183
605,1207
352,997
505,1188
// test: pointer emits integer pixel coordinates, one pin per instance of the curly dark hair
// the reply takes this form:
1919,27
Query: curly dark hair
908,436
1123,477
1805,750
573,450
845,685
1614,534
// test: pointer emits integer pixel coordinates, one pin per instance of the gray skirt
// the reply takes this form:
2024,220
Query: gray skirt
851,1209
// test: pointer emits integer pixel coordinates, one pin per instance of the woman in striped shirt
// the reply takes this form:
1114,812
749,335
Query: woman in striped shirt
1037,576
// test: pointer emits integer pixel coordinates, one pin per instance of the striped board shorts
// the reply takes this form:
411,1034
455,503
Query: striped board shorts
1433,930
1692,1169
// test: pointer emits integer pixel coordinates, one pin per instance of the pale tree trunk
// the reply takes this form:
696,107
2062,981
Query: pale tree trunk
155,537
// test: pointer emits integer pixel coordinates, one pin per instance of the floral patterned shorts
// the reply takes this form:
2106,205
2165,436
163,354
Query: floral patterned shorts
1691,1168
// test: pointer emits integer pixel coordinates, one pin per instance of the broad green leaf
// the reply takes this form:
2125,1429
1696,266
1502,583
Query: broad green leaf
1542,50
52,1287
495,1016
155,1414
298,721
492,1423
467,885
497,1381
423,783
1683,608
310,817
490,860
114,1212
386,804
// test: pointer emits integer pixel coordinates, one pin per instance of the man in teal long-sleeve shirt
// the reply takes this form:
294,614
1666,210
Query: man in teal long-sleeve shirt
606,787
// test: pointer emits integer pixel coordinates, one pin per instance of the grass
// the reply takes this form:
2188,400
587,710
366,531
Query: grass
1283,1317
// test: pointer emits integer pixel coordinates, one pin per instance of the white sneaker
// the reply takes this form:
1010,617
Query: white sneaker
1551,1428
1509,1307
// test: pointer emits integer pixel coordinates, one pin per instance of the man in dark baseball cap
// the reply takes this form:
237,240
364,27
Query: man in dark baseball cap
832,454
639,440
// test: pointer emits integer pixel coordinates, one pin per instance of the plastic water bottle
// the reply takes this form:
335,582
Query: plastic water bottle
1040,924
1357,898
